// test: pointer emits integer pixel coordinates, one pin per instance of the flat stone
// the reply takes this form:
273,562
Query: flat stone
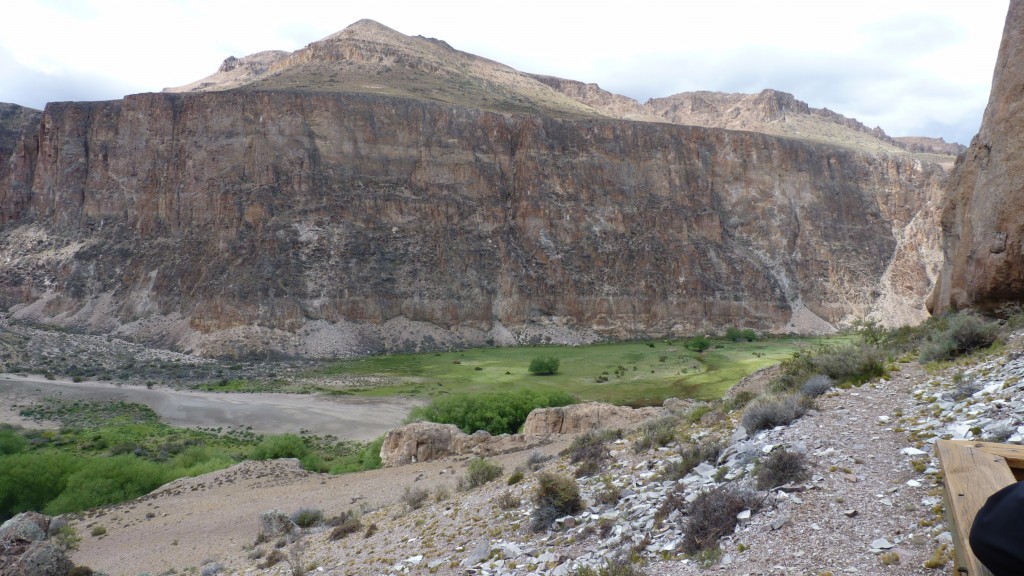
881,544
911,451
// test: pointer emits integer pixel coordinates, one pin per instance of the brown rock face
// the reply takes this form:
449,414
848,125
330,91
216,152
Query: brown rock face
577,418
425,441
337,224
982,220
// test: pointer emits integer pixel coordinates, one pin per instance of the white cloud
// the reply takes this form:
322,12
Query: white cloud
907,66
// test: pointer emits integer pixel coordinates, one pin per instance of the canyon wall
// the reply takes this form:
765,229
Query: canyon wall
245,222
983,220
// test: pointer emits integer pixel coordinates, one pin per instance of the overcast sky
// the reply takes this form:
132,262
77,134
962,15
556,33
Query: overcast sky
913,67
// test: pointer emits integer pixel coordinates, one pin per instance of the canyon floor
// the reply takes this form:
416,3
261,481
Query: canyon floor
875,488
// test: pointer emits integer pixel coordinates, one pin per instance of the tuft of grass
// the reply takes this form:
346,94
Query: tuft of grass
415,497
656,433
507,501
692,455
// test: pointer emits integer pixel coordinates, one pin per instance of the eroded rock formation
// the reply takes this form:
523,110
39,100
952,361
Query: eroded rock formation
982,220
425,441
584,417
274,218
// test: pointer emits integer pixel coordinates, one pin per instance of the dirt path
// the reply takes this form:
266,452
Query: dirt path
343,416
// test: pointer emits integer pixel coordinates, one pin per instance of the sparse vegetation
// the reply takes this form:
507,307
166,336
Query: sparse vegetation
344,524
692,455
656,433
963,333
507,501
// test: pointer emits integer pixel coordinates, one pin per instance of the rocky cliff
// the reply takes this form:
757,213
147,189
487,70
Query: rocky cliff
982,220
334,222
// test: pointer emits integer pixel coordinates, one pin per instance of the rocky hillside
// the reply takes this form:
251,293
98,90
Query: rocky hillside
982,220
290,207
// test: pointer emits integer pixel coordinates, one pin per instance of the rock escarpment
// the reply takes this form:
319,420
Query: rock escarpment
303,222
982,220
304,214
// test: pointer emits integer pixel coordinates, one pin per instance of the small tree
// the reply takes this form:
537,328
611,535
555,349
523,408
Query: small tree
698,343
544,365
733,334
749,335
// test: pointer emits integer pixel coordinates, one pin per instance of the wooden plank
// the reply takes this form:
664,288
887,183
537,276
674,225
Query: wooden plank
1012,453
971,475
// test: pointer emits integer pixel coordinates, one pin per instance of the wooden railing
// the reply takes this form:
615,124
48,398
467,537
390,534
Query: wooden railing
973,471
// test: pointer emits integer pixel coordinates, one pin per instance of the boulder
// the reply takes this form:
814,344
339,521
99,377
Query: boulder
26,551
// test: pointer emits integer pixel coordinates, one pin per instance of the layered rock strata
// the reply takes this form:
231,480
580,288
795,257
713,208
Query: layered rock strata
238,222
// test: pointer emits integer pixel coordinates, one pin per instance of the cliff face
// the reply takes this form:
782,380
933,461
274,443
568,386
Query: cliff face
332,224
982,220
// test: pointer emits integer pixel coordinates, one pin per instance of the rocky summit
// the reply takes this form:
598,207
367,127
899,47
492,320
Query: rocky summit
375,192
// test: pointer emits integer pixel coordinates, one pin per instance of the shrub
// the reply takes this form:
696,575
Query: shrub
768,412
344,524
81,571
659,432
544,365
782,467
740,400
536,460
98,531
367,458
280,446
698,343
556,496
964,333
306,517
507,501
733,333
851,363
11,442
692,455
414,497
515,477
589,452
712,514
478,473
817,385
498,413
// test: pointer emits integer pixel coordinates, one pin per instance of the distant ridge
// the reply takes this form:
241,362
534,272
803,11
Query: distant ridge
368,57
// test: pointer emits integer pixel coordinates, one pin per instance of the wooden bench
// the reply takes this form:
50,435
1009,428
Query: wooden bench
974,471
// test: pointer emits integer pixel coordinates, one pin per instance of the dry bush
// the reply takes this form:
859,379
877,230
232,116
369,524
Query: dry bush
692,455
478,473
556,496
768,412
507,501
782,467
656,433
817,385
344,524
415,497
713,515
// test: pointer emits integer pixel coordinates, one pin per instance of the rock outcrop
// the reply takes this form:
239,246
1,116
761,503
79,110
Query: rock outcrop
982,220
25,548
577,418
323,219
425,441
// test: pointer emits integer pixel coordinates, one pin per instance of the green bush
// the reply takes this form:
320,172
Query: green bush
964,333
367,458
698,343
478,473
280,446
101,481
307,517
29,481
555,496
544,365
497,413
11,442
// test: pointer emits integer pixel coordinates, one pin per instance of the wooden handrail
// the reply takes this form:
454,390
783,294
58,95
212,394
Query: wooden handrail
973,471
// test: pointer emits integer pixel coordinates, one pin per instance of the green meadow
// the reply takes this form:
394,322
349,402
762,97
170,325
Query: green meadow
631,373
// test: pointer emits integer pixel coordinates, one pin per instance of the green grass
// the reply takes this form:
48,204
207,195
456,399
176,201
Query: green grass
633,373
